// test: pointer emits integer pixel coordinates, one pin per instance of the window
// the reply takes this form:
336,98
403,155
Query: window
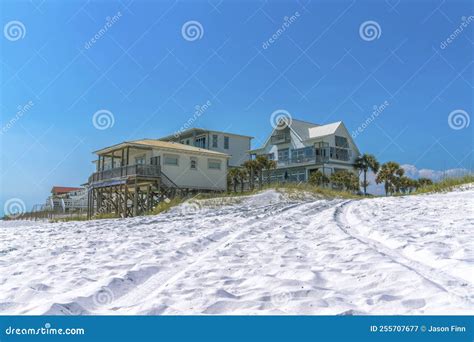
226,143
140,160
171,160
155,160
187,142
214,140
271,156
193,164
214,164
200,142
283,154
339,153
301,155
341,142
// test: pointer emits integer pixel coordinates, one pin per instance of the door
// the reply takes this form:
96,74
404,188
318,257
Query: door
155,160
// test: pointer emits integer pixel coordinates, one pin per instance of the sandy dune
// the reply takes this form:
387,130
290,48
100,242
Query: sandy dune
263,254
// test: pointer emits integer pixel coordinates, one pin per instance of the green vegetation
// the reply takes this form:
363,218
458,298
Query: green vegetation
345,180
295,189
164,206
445,185
70,218
318,178
365,163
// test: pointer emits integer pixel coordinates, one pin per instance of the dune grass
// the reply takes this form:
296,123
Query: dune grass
166,205
298,188
445,185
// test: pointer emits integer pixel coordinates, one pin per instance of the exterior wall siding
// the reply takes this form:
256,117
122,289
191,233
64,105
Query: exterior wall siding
182,174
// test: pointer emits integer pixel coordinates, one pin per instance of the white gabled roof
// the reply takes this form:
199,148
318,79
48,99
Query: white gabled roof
324,130
307,131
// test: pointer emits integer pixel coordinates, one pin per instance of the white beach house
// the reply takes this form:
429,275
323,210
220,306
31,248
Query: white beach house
300,148
133,176
235,145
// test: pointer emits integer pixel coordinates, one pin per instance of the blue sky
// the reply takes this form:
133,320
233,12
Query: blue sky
321,68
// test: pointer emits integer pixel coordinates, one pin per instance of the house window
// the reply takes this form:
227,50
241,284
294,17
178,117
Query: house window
283,154
214,140
341,142
171,160
155,160
140,160
226,143
187,142
301,155
339,153
200,142
193,164
271,156
214,164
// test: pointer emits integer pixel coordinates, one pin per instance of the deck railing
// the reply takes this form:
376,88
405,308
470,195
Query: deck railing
152,171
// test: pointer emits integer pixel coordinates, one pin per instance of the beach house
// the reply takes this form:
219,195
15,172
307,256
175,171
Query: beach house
300,148
66,199
235,145
133,176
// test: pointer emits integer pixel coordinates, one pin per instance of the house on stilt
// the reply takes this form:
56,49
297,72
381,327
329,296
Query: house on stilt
134,176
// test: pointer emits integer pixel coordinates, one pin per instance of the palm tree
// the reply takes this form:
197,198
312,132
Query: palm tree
261,163
251,167
233,177
390,173
365,163
242,176
345,179
265,164
424,182
318,178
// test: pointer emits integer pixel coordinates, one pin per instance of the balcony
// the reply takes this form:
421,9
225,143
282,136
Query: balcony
281,138
139,170
302,160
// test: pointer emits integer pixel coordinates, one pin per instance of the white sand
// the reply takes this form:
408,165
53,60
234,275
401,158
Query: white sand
264,254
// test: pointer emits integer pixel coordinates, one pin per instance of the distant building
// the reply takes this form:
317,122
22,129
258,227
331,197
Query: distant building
66,199
235,145
300,148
